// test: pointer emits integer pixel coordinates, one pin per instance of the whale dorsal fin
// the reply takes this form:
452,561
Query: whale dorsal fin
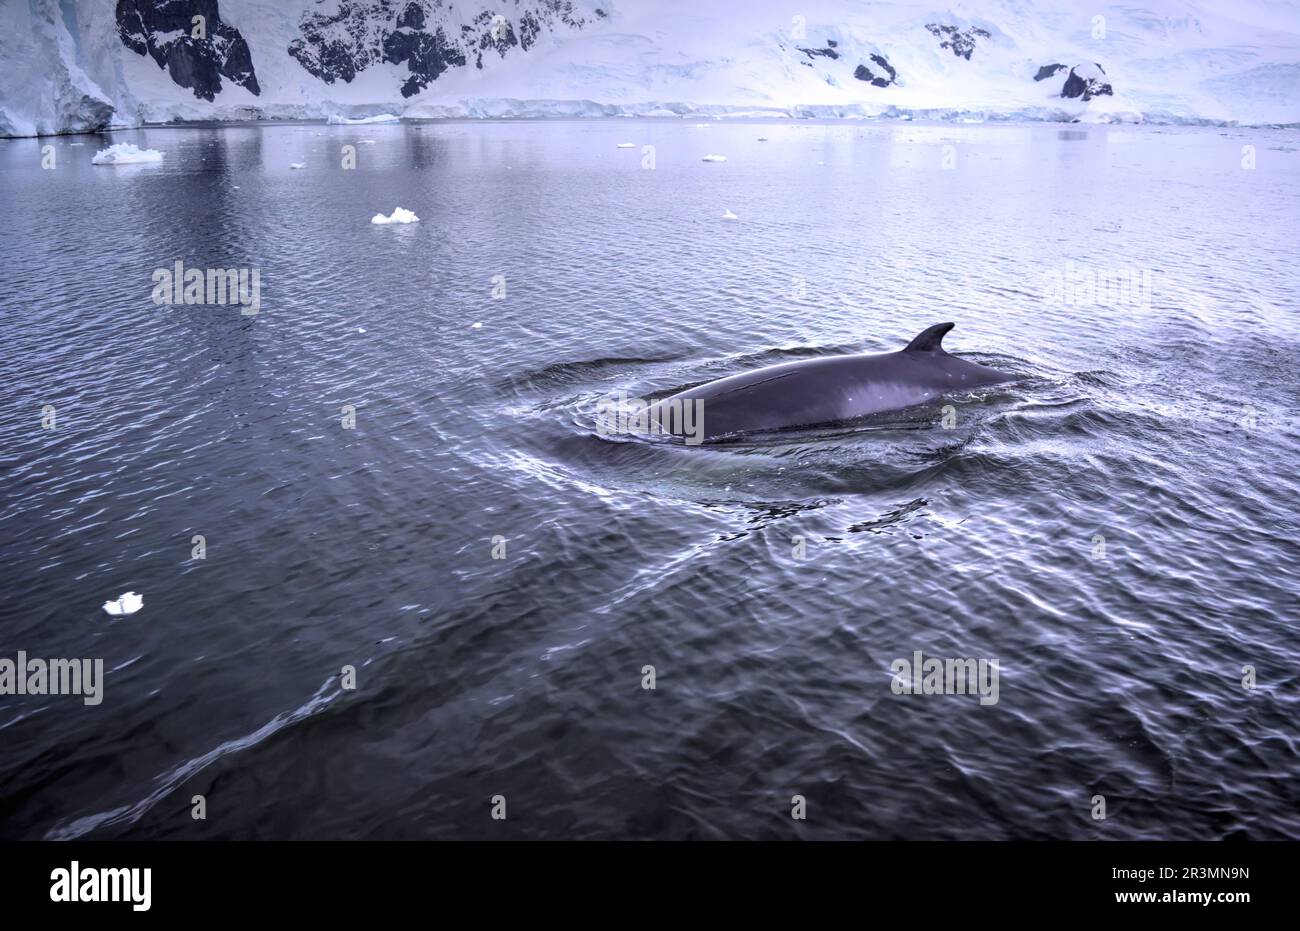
930,339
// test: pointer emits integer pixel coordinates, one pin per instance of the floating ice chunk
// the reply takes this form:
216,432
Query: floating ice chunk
361,329
367,142
344,121
298,165
399,215
125,153
476,326
715,158
728,215
126,603
626,145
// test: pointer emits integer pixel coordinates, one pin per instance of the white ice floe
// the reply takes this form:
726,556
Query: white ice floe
126,603
626,145
298,165
125,153
361,329
367,142
399,215
344,121
476,326
728,215
715,158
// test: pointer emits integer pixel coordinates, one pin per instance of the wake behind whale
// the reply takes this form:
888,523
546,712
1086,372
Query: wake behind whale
812,392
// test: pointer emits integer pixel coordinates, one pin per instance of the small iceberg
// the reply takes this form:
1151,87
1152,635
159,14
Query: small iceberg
476,326
626,145
728,215
367,142
125,153
126,603
715,158
344,121
298,165
400,215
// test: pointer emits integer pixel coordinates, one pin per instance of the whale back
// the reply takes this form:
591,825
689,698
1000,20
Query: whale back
835,388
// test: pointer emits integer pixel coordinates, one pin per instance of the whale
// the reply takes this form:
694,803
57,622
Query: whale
826,390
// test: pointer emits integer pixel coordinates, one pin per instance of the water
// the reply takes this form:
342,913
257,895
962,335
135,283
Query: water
1118,527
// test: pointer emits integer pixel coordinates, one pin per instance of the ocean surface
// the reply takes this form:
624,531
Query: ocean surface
397,466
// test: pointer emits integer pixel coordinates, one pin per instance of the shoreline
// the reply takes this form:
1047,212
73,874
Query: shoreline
934,116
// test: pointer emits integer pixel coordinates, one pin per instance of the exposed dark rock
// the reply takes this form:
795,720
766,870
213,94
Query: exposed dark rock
1047,71
961,43
412,17
885,76
828,52
529,28
165,31
1086,81
427,56
495,33
356,34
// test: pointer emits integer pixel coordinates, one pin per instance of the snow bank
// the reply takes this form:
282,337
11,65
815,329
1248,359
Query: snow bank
125,153
68,69
399,215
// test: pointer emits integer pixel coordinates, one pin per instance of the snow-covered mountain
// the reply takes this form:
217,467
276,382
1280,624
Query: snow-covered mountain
77,65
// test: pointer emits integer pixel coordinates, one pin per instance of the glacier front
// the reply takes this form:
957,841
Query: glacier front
84,65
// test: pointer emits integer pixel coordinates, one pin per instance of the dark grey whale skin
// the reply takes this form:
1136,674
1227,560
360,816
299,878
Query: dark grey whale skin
830,389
